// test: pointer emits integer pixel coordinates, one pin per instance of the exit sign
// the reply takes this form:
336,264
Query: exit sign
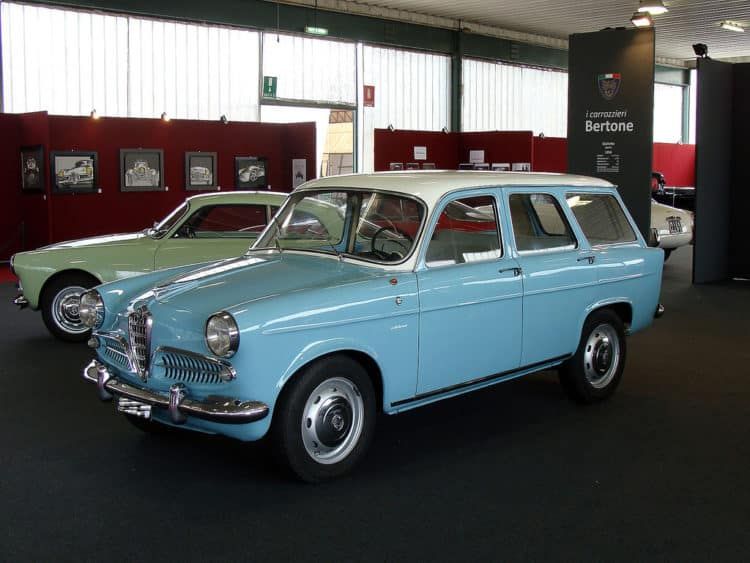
269,86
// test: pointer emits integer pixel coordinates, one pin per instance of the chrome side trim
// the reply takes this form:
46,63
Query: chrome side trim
227,410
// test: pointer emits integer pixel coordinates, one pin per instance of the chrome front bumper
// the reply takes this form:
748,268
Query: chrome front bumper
134,400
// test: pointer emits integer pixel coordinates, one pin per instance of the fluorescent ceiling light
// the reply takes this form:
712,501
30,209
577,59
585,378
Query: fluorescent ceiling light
316,30
642,20
731,26
653,7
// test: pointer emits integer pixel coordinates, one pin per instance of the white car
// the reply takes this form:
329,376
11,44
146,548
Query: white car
674,227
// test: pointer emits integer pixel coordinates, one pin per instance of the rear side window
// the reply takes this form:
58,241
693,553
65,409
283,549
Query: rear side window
466,231
228,220
601,218
539,224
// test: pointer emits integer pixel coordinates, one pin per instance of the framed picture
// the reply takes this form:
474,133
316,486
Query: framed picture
501,166
200,171
32,168
74,172
142,170
521,167
396,166
466,166
481,166
412,166
428,166
249,172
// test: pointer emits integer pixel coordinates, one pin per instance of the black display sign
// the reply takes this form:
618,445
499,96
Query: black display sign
610,113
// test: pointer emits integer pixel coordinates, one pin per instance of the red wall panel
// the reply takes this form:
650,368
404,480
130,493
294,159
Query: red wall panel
10,191
550,154
498,146
398,146
676,162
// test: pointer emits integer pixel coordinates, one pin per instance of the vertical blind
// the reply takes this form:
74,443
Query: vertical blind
412,91
498,96
69,62
668,104
311,69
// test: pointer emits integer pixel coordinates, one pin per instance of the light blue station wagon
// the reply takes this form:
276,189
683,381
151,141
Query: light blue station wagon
379,292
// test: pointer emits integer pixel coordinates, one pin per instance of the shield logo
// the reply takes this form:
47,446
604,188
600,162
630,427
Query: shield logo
609,85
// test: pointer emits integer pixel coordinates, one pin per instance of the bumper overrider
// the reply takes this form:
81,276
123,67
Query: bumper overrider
139,402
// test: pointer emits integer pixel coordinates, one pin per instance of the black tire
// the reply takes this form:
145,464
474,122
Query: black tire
62,324
593,373
337,392
667,253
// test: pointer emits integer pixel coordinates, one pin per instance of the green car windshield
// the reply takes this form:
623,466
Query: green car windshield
162,228
368,225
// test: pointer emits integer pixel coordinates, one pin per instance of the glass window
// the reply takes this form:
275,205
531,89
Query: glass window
506,97
466,231
231,220
539,223
370,225
601,218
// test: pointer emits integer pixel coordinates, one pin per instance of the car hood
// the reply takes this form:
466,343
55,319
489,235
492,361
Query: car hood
233,284
114,240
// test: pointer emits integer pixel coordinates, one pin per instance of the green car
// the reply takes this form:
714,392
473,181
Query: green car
204,228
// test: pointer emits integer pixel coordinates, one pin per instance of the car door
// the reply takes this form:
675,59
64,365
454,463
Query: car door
469,294
559,274
212,232
614,245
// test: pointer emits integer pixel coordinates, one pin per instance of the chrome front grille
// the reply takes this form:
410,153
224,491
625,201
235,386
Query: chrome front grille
187,367
139,335
118,353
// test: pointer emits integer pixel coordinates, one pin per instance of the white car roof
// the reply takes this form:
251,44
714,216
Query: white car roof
431,185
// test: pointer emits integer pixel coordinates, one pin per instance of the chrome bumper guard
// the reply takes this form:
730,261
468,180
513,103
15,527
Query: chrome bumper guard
21,301
133,400
659,311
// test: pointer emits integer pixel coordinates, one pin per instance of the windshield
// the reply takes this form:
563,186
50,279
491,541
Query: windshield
370,225
160,229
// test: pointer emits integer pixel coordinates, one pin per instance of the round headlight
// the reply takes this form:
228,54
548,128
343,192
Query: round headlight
222,335
91,309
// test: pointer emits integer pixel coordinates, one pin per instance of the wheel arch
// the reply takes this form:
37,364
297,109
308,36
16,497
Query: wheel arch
622,307
62,273
365,359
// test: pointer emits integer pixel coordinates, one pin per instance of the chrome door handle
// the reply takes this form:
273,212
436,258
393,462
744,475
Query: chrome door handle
591,259
516,271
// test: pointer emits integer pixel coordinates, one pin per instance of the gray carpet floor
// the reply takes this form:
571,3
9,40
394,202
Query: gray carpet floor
514,472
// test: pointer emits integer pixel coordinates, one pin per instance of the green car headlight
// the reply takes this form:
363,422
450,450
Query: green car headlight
222,335
91,309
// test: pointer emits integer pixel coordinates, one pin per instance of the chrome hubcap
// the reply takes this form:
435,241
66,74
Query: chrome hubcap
65,310
602,356
332,420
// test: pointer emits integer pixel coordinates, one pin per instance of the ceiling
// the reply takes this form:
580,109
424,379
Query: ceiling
687,22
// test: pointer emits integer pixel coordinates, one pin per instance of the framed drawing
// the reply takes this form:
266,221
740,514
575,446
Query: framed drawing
521,167
249,172
396,166
142,170
74,171
32,168
200,171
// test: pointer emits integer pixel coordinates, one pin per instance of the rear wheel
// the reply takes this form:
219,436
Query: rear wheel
59,304
595,370
324,422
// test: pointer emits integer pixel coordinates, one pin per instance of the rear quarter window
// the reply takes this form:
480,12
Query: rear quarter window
601,218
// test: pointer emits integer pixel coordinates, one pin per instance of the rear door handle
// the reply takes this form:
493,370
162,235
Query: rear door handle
516,271
591,259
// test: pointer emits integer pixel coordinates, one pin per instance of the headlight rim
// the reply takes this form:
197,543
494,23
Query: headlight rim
98,308
233,334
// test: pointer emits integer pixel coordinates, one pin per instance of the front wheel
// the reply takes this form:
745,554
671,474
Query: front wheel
59,304
324,422
594,371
